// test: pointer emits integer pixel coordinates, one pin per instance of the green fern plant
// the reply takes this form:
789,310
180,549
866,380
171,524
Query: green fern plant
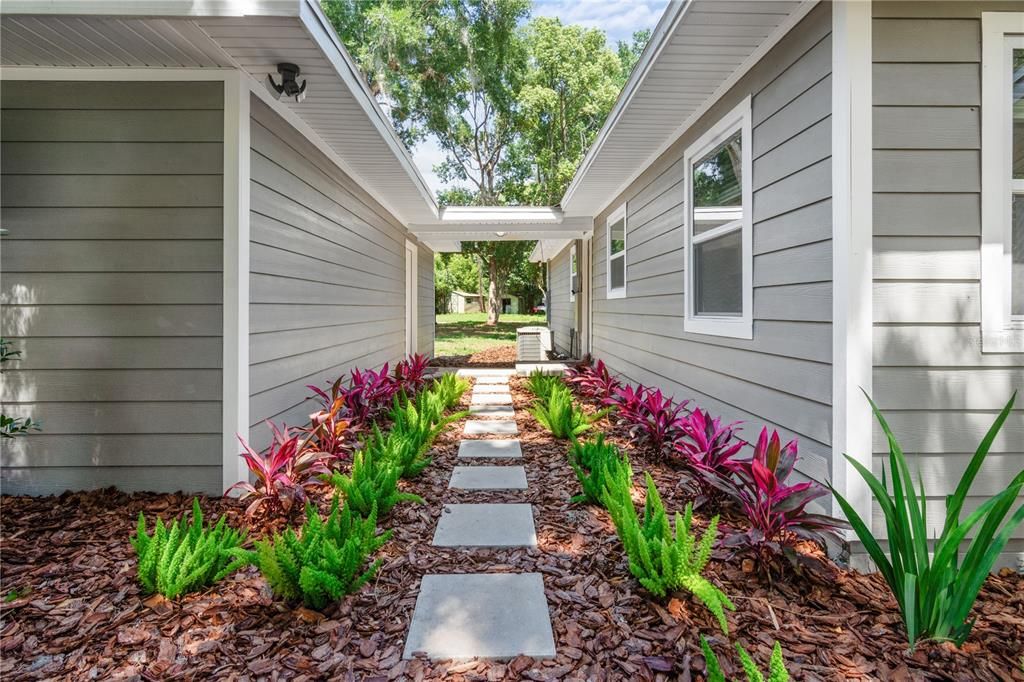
449,389
664,560
599,466
561,416
185,557
776,666
325,561
371,484
541,385
415,427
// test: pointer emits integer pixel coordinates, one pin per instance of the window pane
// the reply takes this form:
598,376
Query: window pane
717,183
618,236
1018,114
617,267
718,275
1017,243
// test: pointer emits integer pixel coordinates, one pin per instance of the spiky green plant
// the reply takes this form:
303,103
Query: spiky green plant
371,484
598,466
662,559
935,590
325,561
561,416
185,557
776,666
541,384
415,426
449,388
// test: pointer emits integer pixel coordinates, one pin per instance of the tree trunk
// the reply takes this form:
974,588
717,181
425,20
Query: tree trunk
493,299
480,284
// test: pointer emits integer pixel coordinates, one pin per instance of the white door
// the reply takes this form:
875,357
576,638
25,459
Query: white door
411,290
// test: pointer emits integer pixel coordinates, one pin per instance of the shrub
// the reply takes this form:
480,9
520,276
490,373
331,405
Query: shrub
410,374
592,381
449,389
329,432
662,559
185,557
561,416
777,511
283,474
707,448
776,666
599,467
325,562
541,384
934,588
372,484
651,418
414,427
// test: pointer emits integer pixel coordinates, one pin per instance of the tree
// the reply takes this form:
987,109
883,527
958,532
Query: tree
453,272
500,258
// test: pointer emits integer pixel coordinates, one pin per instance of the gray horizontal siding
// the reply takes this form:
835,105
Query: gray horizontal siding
112,284
425,301
327,275
939,392
562,309
782,377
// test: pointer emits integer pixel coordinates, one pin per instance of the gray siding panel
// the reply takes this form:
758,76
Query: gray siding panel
327,276
939,392
425,302
782,377
112,284
562,309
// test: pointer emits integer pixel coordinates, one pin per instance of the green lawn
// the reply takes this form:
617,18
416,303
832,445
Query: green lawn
468,333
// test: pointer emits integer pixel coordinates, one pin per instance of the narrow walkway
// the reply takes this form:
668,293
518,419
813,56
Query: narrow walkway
484,615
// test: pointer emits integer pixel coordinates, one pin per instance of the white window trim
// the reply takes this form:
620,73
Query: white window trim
1001,332
735,326
616,215
572,259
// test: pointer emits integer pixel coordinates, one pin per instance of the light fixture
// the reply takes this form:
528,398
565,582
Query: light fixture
499,234
289,87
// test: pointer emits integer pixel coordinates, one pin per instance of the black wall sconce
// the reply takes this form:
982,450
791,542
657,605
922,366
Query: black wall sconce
289,87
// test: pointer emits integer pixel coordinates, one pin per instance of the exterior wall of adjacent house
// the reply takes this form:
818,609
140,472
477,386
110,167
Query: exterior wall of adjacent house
940,393
425,304
112,284
327,275
782,377
562,310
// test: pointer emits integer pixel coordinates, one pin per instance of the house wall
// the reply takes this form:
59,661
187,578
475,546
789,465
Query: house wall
327,280
782,377
112,284
940,394
425,306
562,310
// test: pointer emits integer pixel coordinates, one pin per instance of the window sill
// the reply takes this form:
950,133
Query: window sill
736,328
616,293
1007,340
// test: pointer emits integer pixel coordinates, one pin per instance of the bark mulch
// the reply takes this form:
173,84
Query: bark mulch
82,615
503,356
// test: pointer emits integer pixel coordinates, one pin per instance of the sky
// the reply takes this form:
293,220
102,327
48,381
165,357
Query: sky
619,19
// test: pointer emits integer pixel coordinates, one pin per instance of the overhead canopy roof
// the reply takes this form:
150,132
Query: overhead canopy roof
695,54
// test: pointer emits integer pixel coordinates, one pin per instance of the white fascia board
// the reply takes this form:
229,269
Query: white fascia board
501,214
661,37
156,8
320,29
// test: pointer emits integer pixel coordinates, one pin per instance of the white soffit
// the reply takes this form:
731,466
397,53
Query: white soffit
697,51
251,35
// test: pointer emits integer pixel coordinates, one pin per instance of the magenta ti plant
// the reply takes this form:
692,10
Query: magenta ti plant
777,510
652,418
707,448
282,473
329,432
593,381
369,394
411,374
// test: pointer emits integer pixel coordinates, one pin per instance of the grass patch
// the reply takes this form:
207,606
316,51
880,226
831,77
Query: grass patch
468,333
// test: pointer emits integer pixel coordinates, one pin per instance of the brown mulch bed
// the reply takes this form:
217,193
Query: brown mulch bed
503,356
83,616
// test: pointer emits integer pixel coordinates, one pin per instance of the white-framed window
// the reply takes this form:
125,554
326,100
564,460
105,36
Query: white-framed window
1002,183
572,272
615,242
719,253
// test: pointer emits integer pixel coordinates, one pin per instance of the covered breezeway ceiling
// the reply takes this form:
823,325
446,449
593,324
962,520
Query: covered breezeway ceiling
498,223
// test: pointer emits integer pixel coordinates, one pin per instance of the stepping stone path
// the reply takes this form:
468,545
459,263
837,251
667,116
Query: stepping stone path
484,615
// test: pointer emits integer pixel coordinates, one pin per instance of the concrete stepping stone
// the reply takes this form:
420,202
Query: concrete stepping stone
492,388
486,525
481,615
484,372
482,449
476,427
490,399
492,381
492,410
488,478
